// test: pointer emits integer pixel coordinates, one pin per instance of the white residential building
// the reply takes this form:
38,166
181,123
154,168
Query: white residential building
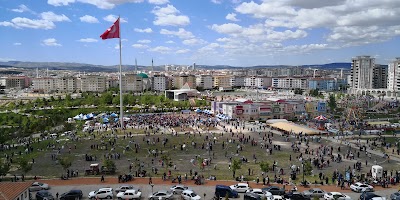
132,83
92,83
205,82
362,73
159,83
290,83
393,83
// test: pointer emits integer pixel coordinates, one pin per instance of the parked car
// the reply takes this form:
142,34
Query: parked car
102,193
276,197
395,196
36,186
240,187
314,192
177,189
263,194
190,195
129,194
161,195
336,196
251,196
222,190
124,188
371,196
275,190
360,187
44,195
71,195
296,196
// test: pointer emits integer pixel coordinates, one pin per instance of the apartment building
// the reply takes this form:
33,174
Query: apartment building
92,83
326,84
290,83
17,82
65,84
43,85
393,80
380,76
362,72
205,82
222,81
237,81
181,80
159,82
132,83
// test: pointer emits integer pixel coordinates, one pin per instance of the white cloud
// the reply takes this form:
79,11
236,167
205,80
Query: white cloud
228,28
21,22
17,44
6,59
231,17
210,48
46,21
50,16
160,49
217,1
50,42
60,2
87,40
193,41
169,16
158,2
285,35
22,8
181,33
113,18
146,30
140,46
89,19
102,4
170,42
266,9
117,46
144,41
182,51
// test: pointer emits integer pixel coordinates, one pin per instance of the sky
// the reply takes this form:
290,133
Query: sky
206,32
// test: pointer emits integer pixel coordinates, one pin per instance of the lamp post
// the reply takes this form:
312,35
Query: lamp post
152,186
302,164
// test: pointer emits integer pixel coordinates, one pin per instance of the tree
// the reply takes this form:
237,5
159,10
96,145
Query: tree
109,165
4,168
307,168
236,164
298,91
24,165
65,162
332,102
264,165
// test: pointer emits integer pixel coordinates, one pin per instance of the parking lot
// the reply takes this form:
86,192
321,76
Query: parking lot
206,192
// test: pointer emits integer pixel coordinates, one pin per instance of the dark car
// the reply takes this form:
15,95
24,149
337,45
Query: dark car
370,196
72,195
251,196
223,190
274,190
44,195
295,196
395,196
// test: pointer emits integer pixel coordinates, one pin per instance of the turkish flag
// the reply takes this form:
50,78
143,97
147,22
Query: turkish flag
112,32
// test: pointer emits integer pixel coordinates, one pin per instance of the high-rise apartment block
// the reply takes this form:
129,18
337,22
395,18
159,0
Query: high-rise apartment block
362,72
393,80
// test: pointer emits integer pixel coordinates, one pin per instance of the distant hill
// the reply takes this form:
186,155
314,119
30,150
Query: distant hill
113,68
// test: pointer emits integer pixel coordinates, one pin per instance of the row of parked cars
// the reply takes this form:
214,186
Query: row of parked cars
276,193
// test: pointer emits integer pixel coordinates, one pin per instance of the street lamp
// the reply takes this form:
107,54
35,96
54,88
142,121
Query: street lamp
152,186
302,164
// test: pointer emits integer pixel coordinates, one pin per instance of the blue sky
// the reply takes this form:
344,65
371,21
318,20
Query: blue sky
213,32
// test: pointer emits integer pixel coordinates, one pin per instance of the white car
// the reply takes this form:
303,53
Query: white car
130,194
124,188
36,186
336,196
260,192
240,187
177,189
360,187
190,195
102,193
276,197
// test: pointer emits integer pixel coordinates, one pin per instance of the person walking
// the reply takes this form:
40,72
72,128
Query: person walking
102,178
150,181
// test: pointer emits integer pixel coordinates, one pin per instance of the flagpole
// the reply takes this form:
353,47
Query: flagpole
121,115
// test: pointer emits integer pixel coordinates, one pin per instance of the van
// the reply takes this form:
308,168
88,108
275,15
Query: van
54,135
222,190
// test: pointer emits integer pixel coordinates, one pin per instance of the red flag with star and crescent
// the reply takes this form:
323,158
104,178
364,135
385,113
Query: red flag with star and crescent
112,32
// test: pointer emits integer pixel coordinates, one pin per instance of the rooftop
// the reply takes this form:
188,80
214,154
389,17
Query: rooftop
12,190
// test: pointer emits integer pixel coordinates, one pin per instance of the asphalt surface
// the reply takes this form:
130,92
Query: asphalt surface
208,191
